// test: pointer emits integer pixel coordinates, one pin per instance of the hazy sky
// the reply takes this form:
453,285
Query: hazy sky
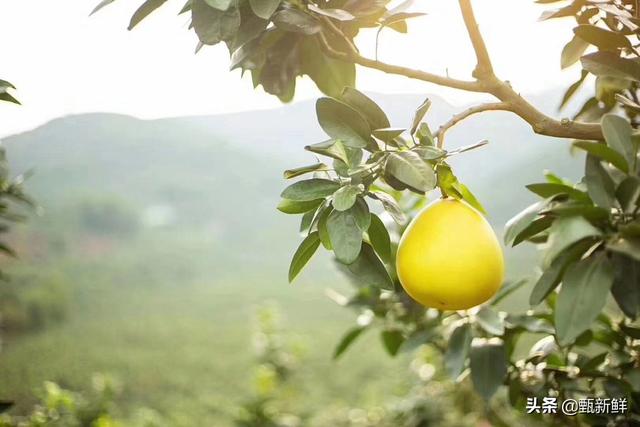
65,62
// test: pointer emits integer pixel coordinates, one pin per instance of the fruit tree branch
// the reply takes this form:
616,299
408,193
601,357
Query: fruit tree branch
540,123
485,81
484,68
495,106
353,56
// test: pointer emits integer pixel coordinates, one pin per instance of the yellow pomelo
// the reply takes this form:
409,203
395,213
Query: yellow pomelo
449,257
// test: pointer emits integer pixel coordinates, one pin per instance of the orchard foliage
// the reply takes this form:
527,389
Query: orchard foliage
588,231
278,41
608,31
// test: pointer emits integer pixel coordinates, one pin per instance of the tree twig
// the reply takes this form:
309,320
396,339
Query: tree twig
494,106
484,68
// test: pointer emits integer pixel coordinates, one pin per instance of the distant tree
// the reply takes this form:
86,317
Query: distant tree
591,228
107,216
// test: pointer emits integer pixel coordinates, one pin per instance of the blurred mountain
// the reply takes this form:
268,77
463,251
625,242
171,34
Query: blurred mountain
226,169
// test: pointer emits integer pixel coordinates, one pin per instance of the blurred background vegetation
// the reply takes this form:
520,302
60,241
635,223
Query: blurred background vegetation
139,295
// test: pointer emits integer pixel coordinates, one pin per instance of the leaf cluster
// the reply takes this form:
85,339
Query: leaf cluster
604,42
367,161
277,41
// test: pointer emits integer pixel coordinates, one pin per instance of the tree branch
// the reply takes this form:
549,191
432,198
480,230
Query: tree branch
486,81
484,68
495,106
540,123
354,56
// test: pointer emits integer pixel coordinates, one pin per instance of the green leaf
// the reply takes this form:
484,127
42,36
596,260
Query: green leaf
392,340
626,289
304,253
374,115
468,197
388,134
605,63
593,213
391,206
582,297
293,173
507,289
630,331
430,153
323,233
626,246
340,121
394,19
605,153
333,148
490,321
411,170
552,276
567,231
379,237
307,220
345,235
521,221
310,189
595,362
369,270
345,197
419,115
488,366
213,25
631,229
416,339
602,38
296,21
425,136
532,230
186,7
600,185
571,90
346,341
100,5
458,350
145,10
294,207
617,133
361,212
329,74
264,8
546,189
6,96
529,323
572,52
628,193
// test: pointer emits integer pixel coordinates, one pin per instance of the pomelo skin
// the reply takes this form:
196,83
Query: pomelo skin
449,258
